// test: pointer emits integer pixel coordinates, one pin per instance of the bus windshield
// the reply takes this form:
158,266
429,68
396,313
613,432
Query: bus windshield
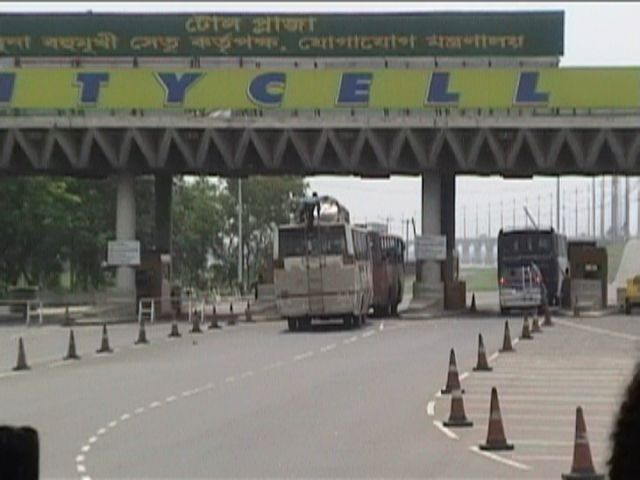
321,240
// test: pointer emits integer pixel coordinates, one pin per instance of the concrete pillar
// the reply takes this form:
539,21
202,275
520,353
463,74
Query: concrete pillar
163,198
126,230
438,218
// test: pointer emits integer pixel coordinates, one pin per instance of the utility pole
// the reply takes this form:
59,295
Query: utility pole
502,215
514,213
477,221
576,212
526,205
464,222
593,206
558,202
615,228
489,217
588,215
551,213
538,210
602,232
627,202
406,241
240,262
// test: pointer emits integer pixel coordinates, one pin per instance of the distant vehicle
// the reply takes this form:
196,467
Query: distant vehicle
322,266
532,267
387,257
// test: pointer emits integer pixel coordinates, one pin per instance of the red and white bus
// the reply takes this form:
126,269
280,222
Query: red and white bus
387,257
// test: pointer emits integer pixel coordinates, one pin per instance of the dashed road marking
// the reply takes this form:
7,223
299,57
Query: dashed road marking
113,424
368,334
85,448
273,365
93,439
431,408
80,458
101,431
328,348
247,374
350,340
493,356
302,356
171,398
230,379
498,458
81,468
464,375
600,331
154,404
139,410
445,430
381,327
125,416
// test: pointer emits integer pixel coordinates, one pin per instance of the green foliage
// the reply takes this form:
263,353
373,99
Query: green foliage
46,222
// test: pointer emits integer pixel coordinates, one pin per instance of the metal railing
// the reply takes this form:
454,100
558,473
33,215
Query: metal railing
28,307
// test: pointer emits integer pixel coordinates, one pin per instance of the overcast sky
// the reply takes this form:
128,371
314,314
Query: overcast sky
596,34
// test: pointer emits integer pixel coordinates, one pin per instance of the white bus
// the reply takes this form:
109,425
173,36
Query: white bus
322,267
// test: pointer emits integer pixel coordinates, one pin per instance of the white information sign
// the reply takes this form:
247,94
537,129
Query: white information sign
123,253
431,247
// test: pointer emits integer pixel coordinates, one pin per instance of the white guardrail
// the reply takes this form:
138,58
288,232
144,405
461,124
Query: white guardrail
28,304
191,304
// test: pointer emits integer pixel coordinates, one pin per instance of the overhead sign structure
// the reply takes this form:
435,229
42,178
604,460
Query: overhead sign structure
123,253
431,247
520,34
42,89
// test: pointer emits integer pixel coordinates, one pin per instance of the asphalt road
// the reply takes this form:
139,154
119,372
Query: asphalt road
254,400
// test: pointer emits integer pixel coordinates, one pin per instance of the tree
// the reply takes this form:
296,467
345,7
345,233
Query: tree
267,201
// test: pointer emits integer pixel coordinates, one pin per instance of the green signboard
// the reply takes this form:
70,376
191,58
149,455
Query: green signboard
309,35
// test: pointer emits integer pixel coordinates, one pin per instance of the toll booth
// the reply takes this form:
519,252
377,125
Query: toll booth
587,283
153,280
455,290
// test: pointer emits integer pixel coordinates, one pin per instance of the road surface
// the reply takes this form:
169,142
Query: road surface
254,400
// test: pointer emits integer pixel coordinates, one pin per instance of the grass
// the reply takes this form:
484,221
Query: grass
480,279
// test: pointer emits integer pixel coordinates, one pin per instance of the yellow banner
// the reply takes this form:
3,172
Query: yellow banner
287,89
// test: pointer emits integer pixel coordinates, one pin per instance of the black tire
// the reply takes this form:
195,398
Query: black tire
505,310
394,310
346,321
293,324
355,321
627,307
304,324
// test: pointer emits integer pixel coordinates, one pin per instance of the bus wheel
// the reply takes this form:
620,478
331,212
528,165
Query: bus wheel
304,324
346,321
355,321
394,310
292,324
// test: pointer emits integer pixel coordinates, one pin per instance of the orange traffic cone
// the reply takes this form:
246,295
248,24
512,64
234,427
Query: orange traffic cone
535,327
174,333
526,333
547,317
483,364
142,334
506,343
473,308
214,319
71,351
195,326
104,346
496,439
457,417
582,466
453,381
21,364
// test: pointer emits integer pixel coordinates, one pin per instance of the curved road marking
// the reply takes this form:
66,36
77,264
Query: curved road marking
431,408
498,458
445,430
601,331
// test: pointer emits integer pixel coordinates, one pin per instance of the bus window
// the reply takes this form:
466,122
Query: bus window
334,241
291,243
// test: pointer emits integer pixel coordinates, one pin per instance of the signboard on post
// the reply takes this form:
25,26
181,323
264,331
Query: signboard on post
123,253
431,247
434,34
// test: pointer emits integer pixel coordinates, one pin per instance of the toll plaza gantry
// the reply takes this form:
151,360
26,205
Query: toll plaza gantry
430,94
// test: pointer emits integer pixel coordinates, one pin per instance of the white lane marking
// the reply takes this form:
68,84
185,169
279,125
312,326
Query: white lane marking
438,394
208,386
85,448
11,374
139,410
550,398
60,363
368,334
601,331
113,424
230,379
302,356
273,365
81,468
513,343
463,376
445,430
498,458
544,458
102,431
125,416
93,439
247,374
171,398
551,443
154,404
187,393
86,477
381,328
328,348
431,408
80,458
350,340
493,356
